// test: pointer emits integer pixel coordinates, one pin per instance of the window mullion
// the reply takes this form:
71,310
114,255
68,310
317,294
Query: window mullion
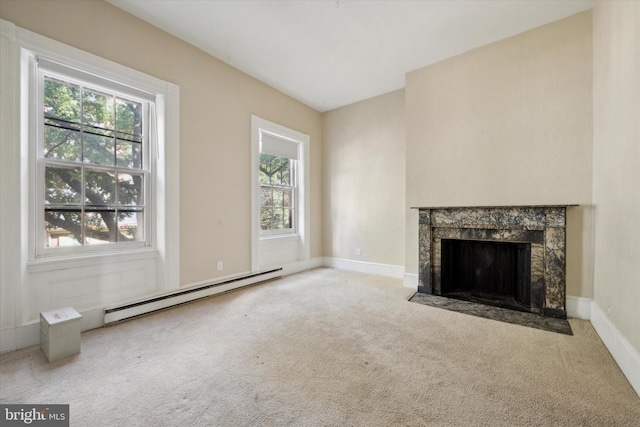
82,206
84,181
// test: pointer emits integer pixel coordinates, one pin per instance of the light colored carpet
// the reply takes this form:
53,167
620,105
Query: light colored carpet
326,348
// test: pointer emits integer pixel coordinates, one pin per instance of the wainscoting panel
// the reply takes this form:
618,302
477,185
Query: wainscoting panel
88,286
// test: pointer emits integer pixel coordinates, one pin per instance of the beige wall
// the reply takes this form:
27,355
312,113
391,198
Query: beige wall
364,172
616,164
215,123
508,123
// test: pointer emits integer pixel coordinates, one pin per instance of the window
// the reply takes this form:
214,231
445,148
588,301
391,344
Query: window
278,184
280,192
54,146
93,160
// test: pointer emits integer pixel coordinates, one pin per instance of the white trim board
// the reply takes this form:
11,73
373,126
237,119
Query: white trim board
387,270
579,307
299,266
627,357
411,280
28,335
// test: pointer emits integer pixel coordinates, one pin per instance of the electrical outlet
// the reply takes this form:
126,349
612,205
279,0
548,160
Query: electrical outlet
220,265
358,253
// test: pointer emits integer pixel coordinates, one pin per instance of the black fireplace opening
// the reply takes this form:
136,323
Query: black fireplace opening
489,272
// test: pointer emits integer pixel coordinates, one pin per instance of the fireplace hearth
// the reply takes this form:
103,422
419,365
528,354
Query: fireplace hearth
511,257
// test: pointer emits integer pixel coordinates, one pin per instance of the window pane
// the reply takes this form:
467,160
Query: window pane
131,225
266,158
287,218
99,227
265,219
98,150
62,120
277,218
266,196
285,173
129,154
62,186
277,197
61,101
130,189
275,171
129,120
61,143
264,176
62,228
267,169
98,112
100,188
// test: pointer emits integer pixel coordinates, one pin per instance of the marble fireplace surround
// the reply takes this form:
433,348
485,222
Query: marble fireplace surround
544,227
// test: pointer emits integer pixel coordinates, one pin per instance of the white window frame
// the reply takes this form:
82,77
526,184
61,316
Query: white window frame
19,50
38,162
301,230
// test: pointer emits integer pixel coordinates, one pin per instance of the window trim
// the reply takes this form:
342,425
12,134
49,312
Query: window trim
303,211
17,46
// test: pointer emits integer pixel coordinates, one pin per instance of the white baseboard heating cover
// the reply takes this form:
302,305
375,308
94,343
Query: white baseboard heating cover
139,308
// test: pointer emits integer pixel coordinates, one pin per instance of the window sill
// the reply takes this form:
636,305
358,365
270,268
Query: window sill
280,236
46,264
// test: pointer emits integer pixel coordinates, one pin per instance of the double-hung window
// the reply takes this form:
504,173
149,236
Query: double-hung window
278,184
280,195
93,162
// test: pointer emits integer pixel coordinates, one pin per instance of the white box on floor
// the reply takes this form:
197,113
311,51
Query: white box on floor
60,333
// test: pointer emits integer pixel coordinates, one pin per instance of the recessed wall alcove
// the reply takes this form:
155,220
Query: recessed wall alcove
527,245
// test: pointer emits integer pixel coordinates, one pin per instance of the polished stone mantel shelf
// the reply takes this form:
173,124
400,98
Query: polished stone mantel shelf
495,207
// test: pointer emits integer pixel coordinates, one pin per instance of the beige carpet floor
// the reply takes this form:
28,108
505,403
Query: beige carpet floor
326,348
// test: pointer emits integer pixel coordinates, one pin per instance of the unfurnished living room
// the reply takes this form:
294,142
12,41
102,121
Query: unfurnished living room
320,213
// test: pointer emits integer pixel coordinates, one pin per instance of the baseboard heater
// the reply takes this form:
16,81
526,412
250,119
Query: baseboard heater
129,311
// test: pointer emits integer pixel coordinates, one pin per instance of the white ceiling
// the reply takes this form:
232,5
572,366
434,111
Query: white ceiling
329,53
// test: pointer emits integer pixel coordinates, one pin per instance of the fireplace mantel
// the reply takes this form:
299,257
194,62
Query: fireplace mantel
542,226
494,207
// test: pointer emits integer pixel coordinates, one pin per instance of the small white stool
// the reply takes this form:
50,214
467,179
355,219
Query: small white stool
60,333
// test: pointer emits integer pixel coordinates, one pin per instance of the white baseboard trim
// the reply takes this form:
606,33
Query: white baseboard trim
387,270
411,280
29,334
8,340
297,267
579,307
627,357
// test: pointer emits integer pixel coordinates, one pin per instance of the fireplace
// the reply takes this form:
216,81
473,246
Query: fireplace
511,257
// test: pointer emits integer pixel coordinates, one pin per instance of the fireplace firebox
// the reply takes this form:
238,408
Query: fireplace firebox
511,256
494,273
